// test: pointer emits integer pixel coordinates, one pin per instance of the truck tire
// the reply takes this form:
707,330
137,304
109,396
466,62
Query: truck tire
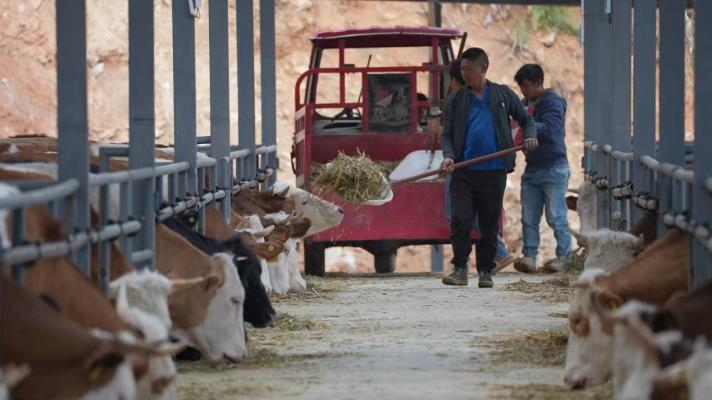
314,259
385,262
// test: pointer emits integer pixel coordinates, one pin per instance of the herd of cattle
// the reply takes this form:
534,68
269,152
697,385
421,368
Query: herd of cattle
632,318
63,338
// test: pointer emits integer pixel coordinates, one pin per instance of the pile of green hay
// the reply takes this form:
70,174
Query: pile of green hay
356,179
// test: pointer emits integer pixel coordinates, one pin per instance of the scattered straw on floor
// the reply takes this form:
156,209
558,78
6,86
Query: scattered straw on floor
318,289
577,259
288,322
556,289
542,348
549,392
356,179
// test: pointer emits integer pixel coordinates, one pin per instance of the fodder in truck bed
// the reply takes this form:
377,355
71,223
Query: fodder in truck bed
356,179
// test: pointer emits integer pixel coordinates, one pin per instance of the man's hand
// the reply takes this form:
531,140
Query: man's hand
447,166
530,144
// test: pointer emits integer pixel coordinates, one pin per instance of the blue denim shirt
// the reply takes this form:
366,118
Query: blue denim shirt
481,136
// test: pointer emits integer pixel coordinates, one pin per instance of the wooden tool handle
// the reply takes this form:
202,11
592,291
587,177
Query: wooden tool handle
459,165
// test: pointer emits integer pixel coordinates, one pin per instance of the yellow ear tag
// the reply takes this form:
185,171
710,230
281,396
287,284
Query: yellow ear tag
270,247
95,373
614,305
273,260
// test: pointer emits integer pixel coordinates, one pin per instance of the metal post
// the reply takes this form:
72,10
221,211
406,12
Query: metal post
220,95
620,112
269,83
701,271
72,124
184,109
436,250
644,93
142,119
246,84
602,51
672,92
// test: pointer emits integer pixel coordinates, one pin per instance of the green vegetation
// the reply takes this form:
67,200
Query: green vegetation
554,17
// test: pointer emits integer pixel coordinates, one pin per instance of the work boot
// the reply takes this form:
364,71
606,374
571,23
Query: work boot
485,279
525,264
558,264
457,277
502,263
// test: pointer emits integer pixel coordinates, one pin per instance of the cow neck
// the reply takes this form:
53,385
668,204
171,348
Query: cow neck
177,258
215,225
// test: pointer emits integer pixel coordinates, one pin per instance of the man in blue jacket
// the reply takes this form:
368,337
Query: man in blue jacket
476,123
546,176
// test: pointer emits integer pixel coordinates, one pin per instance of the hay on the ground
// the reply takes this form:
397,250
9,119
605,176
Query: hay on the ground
545,347
356,179
556,289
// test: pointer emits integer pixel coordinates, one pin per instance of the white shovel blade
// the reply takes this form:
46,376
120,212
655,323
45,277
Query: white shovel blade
416,163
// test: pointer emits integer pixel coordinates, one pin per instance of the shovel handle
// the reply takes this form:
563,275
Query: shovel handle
459,165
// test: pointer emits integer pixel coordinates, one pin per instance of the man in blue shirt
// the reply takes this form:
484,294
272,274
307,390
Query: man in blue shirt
546,176
476,123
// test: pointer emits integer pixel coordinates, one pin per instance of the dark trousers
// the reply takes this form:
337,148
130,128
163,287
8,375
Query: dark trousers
476,193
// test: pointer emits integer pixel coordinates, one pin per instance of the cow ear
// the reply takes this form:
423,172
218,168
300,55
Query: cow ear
639,243
571,202
267,250
281,193
212,281
607,300
102,364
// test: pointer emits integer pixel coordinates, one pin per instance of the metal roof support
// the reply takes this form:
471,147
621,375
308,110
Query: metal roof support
644,93
620,112
269,82
184,109
702,208
246,85
142,122
72,123
436,250
220,95
672,93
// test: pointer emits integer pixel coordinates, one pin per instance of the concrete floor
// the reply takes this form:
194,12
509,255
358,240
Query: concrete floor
388,338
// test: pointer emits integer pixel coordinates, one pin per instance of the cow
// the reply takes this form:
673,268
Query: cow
286,269
585,206
258,310
65,360
210,314
249,201
322,214
694,372
658,273
608,249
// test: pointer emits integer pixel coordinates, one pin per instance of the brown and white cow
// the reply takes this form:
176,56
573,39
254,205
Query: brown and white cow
657,274
321,213
65,360
608,249
210,314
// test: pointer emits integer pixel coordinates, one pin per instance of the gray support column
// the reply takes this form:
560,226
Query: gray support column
220,94
436,250
620,112
246,84
142,120
269,82
72,123
644,92
184,109
672,92
702,206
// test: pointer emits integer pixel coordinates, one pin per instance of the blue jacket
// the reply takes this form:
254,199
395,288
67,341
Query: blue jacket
550,120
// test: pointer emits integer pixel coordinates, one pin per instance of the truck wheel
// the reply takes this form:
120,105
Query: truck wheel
314,259
385,262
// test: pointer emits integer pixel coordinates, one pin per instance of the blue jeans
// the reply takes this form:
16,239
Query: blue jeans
502,251
545,190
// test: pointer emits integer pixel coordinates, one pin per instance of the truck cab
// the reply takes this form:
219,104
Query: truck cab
350,100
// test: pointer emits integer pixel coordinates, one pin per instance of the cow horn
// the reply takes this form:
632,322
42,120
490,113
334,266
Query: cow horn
581,238
178,285
242,258
672,376
643,333
573,190
122,300
281,193
13,374
261,234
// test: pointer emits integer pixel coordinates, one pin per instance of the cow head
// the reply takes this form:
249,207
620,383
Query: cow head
608,249
296,281
219,333
589,349
147,291
322,214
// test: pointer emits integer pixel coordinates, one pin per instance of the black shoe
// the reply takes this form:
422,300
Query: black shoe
457,277
485,280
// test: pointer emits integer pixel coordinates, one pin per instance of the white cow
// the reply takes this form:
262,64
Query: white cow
586,206
608,249
286,269
258,232
322,214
